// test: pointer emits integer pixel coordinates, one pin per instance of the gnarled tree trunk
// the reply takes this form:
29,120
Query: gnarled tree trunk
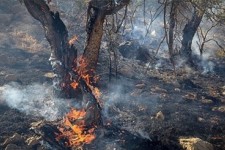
62,54
188,34
63,59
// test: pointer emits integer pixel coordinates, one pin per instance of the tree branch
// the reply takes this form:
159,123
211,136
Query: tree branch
62,54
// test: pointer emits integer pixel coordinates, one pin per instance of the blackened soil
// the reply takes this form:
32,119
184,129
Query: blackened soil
12,121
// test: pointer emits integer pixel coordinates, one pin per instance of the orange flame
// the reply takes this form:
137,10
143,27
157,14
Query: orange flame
85,75
73,127
74,130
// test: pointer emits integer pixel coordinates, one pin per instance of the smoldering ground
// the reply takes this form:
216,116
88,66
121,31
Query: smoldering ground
35,99
120,105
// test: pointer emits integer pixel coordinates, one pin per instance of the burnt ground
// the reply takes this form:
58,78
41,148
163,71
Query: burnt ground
149,103
192,104
23,67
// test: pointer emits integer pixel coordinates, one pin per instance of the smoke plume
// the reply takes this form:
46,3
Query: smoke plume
35,99
124,107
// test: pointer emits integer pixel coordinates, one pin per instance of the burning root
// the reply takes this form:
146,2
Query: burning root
74,129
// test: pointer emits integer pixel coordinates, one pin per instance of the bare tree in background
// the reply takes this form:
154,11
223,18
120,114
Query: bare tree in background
200,8
182,21
188,33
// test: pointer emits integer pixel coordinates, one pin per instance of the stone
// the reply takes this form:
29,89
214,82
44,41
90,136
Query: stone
177,89
195,144
190,96
221,109
49,75
223,93
200,119
160,116
34,140
36,124
223,90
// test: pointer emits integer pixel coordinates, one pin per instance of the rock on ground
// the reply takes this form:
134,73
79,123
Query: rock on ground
195,144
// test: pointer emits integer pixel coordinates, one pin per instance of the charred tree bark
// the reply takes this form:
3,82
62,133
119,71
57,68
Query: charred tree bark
94,36
63,60
91,106
172,23
62,54
188,34
97,11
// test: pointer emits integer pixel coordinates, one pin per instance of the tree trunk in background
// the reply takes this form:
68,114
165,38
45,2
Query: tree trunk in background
188,34
172,22
62,54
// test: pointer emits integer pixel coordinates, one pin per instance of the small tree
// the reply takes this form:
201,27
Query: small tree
64,55
200,8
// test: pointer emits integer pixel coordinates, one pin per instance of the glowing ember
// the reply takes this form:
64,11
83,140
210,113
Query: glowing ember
74,85
73,129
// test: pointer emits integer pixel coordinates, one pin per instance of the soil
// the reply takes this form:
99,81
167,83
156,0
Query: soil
149,103
192,106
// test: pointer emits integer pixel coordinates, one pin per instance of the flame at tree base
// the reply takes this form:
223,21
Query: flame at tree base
78,126
73,129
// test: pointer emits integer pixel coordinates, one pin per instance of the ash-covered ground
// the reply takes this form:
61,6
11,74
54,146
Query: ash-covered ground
148,101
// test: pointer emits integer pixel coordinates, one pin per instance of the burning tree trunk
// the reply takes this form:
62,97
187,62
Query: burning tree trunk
188,34
63,55
78,125
68,75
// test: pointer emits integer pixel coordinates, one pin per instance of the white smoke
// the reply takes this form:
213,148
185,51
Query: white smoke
126,107
36,99
204,60
207,65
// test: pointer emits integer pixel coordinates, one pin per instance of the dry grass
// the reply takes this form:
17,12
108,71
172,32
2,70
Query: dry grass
220,53
24,40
